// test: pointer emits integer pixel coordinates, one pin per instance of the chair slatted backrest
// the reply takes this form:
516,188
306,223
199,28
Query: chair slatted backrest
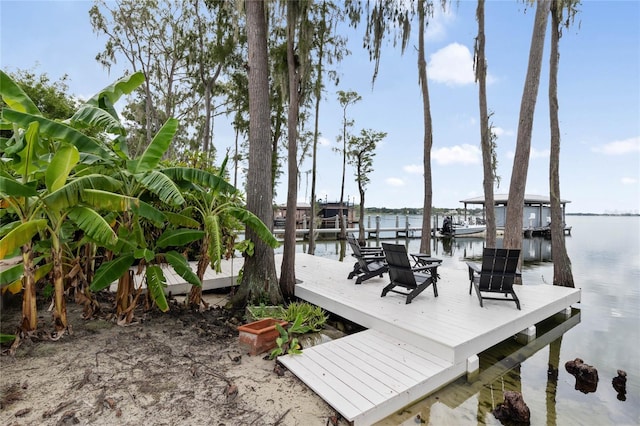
355,247
400,270
499,268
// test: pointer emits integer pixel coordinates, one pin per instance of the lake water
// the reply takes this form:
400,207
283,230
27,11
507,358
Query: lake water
605,256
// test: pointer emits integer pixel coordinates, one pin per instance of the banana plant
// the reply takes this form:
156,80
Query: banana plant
42,193
149,259
218,207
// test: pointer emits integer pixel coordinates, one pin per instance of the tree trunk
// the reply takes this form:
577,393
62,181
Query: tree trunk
259,281
343,231
316,135
361,232
287,271
562,274
485,131
29,307
425,240
195,294
514,222
60,306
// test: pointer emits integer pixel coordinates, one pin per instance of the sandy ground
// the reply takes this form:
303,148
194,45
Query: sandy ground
179,368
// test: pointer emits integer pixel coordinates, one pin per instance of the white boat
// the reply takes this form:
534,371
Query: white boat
463,229
467,230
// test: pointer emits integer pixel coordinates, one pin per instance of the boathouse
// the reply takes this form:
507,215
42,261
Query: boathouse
536,214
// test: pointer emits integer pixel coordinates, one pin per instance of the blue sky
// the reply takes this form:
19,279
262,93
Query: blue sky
599,95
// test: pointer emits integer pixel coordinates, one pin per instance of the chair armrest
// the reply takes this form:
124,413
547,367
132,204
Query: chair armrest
371,250
371,258
474,267
425,268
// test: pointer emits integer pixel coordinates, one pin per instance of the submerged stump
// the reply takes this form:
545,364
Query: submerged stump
513,409
586,375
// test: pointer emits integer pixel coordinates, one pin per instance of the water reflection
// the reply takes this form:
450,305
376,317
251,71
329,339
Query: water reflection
534,250
500,371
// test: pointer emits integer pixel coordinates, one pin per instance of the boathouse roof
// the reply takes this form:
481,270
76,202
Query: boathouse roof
503,198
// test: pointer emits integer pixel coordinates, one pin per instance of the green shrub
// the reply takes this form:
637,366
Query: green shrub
313,317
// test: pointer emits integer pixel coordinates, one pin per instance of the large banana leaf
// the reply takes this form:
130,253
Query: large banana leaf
93,225
108,96
178,219
92,116
162,186
212,226
15,97
63,161
110,201
178,237
54,130
109,272
182,268
11,279
254,222
151,157
13,188
11,275
201,177
20,235
155,285
31,149
145,254
70,194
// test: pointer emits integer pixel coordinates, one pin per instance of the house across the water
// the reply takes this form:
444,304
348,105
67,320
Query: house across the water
536,215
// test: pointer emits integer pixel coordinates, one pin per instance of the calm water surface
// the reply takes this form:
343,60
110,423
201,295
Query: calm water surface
604,332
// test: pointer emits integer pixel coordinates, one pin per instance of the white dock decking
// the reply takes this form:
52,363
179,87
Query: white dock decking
410,350
211,280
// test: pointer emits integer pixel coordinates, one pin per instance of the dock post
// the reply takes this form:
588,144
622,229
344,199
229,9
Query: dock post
406,226
377,226
473,368
527,335
397,226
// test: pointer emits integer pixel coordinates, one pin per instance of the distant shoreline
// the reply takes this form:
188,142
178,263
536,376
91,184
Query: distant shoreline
414,211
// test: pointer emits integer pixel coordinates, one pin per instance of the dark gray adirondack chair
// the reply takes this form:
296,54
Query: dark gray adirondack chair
370,262
496,275
414,279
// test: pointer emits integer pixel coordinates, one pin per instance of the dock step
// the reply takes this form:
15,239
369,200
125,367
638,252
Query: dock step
369,375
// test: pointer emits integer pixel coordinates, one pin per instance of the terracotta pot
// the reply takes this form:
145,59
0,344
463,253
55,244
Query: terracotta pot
259,336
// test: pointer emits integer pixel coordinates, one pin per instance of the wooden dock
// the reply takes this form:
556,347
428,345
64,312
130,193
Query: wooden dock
410,350
371,232
211,280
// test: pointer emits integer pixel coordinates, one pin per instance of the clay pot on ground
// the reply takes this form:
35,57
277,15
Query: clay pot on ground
259,336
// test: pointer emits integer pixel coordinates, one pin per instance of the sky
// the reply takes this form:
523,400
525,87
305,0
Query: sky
598,90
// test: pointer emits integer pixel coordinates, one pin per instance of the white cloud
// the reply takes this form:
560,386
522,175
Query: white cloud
628,181
534,153
452,65
437,26
619,147
458,154
322,141
392,181
539,154
499,131
414,169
